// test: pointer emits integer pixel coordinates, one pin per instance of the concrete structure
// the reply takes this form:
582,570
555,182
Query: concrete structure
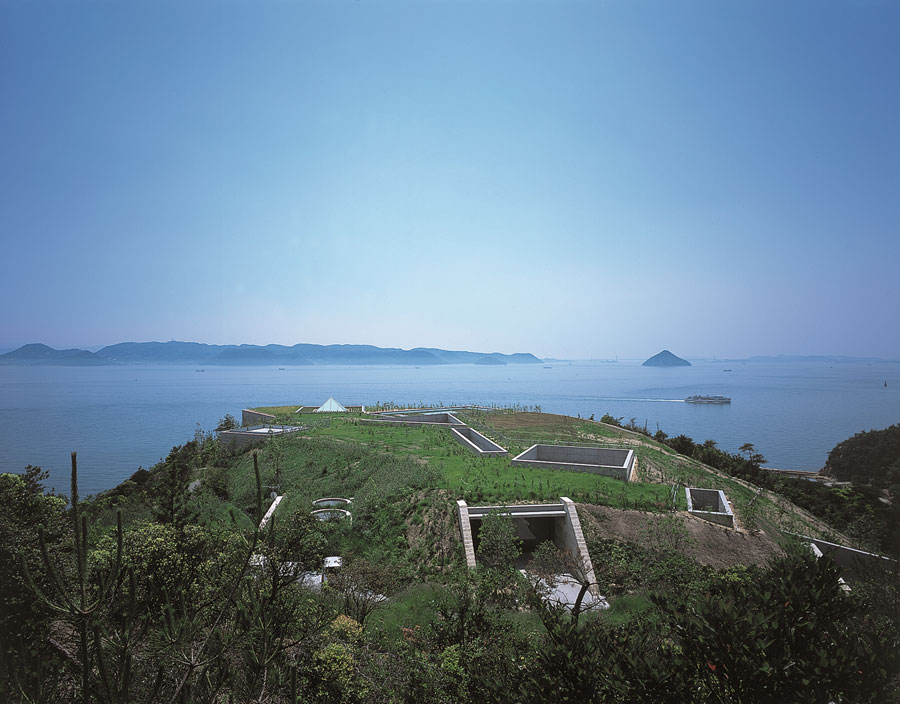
475,442
332,502
855,564
610,462
270,512
435,419
534,524
241,439
251,417
331,514
710,505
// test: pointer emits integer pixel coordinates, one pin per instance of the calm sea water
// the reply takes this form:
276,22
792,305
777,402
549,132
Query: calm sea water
119,418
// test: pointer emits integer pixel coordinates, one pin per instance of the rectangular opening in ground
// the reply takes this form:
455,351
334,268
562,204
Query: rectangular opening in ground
610,462
709,504
475,442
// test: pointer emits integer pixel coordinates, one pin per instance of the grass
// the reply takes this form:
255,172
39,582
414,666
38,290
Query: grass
625,608
481,479
493,480
414,606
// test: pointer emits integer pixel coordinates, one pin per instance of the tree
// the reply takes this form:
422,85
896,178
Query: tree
363,587
789,635
227,423
82,605
24,622
499,547
170,484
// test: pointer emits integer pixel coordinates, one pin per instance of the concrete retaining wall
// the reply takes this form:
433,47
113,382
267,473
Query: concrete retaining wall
249,417
465,529
609,462
710,505
238,440
436,419
855,564
332,502
475,442
331,514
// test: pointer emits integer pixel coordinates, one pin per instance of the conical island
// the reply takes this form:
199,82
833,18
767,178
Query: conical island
666,359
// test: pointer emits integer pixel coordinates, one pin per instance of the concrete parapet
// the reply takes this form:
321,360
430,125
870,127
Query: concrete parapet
435,419
242,438
271,511
609,462
251,417
572,537
331,514
855,564
332,502
465,529
710,505
475,442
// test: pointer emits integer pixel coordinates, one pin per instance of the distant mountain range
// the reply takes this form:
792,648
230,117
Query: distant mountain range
196,353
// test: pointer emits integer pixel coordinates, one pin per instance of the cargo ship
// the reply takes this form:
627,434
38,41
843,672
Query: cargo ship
707,399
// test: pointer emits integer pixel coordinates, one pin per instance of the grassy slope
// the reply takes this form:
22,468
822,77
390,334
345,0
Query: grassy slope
405,480
657,463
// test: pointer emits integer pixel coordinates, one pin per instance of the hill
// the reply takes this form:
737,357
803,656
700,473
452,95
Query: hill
462,357
689,601
39,354
871,457
196,353
666,359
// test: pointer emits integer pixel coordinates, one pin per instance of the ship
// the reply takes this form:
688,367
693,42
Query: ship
707,399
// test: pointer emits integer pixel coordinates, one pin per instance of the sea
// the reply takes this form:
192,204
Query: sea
119,418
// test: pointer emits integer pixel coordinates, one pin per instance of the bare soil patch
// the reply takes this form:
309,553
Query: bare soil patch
709,544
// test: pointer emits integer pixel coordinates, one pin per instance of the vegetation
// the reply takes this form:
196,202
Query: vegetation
871,457
166,588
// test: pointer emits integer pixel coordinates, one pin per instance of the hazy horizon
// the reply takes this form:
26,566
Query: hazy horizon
700,358
575,180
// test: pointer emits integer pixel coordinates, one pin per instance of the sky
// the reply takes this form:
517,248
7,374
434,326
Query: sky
573,179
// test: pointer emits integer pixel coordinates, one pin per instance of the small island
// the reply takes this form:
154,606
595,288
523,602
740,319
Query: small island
666,359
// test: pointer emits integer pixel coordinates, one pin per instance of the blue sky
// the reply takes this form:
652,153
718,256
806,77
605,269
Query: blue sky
571,179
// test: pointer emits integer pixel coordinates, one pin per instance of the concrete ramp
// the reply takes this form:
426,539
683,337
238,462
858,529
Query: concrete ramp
477,443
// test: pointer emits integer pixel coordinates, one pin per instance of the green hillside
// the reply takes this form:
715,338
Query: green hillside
201,605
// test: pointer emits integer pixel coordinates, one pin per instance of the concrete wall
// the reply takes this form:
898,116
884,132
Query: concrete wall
331,514
249,417
609,462
241,439
854,564
430,419
710,505
571,539
534,524
465,529
475,442
330,502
